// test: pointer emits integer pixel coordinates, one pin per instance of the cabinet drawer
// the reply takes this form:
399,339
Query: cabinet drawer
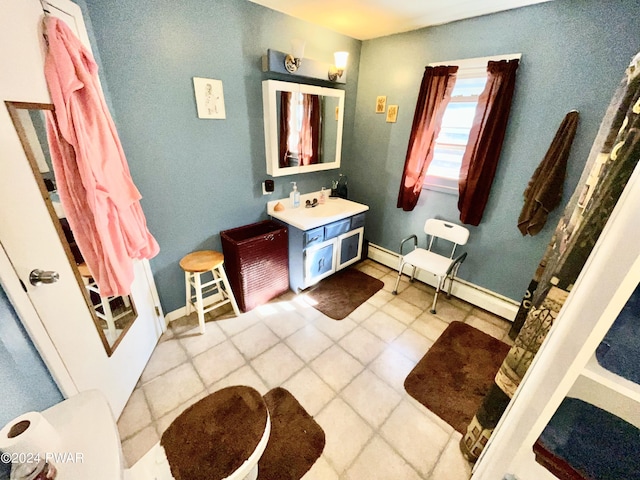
337,228
357,221
313,237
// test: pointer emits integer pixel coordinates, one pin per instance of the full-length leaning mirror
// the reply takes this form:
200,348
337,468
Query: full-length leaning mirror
302,127
112,316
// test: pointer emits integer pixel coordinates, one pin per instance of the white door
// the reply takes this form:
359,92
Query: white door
56,315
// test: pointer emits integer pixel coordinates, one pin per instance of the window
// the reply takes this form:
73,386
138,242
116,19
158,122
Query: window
444,170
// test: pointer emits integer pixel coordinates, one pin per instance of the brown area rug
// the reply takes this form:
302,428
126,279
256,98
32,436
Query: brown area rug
341,293
453,377
296,440
213,437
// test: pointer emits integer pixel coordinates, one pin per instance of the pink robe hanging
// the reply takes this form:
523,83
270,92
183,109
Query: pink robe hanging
96,190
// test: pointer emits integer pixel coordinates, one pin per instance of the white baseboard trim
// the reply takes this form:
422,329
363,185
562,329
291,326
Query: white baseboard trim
182,311
480,297
175,314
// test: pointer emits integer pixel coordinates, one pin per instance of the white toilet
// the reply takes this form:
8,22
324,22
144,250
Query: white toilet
90,444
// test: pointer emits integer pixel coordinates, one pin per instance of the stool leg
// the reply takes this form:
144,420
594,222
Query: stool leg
108,314
229,292
187,285
199,301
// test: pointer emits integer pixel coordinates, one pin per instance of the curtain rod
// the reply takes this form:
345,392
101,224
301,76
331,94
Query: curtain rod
475,61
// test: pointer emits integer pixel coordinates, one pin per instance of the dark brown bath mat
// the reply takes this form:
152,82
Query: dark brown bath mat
453,377
296,440
340,294
214,436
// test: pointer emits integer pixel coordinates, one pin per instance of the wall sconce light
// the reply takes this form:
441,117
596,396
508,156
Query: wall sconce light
336,71
293,60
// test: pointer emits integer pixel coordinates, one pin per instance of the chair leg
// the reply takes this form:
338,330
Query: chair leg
413,274
435,297
450,285
395,290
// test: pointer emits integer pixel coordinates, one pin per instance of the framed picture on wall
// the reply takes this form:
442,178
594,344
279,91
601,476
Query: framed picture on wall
392,114
209,98
381,104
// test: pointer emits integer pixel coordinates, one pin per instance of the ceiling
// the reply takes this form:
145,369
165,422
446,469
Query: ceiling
367,19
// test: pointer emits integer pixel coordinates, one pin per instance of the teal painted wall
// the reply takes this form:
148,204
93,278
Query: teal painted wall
199,177
574,53
25,382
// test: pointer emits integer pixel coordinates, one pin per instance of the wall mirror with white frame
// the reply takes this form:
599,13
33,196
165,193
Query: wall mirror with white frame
302,127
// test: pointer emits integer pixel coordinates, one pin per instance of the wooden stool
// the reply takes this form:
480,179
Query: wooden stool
194,265
105,303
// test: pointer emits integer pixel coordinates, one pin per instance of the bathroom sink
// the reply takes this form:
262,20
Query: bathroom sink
329,209
307,218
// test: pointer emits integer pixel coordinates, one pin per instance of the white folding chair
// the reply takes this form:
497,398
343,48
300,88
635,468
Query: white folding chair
426,259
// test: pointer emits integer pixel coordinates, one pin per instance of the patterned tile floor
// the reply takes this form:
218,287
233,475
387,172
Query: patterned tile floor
348,374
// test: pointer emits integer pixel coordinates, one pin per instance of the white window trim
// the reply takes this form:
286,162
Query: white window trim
467,68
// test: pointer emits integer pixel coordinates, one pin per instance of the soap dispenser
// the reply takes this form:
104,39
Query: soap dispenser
322,196
294,196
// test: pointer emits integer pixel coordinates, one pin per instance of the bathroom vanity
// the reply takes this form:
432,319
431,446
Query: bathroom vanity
322,239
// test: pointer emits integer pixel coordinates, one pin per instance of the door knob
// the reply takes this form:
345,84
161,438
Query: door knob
36,277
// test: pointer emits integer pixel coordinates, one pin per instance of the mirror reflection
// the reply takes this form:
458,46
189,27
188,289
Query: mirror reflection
303,127
112,316
307,130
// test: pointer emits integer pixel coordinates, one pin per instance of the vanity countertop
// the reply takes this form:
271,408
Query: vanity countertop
307,218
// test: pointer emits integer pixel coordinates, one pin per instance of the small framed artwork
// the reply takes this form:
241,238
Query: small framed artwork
209,98
392,114
381,104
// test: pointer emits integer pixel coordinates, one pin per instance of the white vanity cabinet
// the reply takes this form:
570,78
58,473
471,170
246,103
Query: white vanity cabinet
319,252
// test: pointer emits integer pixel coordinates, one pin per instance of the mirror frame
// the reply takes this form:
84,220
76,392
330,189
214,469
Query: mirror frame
14,109
271,130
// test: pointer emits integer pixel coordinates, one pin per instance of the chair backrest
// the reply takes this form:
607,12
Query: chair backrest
447,230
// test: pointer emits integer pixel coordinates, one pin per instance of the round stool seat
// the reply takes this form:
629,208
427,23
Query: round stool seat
201,261
84,270
220,437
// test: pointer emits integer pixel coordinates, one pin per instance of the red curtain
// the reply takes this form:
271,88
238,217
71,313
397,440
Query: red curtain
485,140
309,150
435,93
303,145
285,129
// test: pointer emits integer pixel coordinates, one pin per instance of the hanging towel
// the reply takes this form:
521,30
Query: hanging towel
544,191
96,190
